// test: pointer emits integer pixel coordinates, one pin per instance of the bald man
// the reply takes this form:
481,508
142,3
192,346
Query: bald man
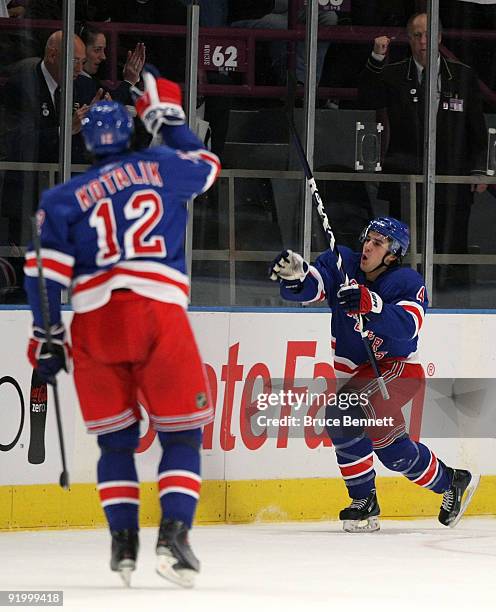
399,87
31,99
53,54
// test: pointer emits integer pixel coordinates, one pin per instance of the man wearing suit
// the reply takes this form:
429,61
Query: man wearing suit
32,103
399,88
31,99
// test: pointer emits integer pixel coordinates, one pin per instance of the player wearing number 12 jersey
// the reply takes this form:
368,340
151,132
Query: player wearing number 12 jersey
115,236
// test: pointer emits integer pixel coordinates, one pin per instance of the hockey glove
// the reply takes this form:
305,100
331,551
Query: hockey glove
358,300
49,363
160,104
290,269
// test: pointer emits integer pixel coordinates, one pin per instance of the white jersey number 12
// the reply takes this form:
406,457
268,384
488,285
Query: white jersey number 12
144,206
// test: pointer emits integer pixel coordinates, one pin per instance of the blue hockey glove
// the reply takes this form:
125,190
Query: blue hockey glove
358,300
46,363
160,104
290,269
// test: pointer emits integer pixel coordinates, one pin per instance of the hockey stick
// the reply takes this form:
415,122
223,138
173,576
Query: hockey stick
64,476
317,200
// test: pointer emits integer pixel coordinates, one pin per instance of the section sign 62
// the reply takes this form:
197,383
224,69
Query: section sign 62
222,54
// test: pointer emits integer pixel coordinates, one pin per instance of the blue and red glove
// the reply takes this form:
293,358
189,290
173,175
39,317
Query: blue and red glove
160,104
358,300
49,363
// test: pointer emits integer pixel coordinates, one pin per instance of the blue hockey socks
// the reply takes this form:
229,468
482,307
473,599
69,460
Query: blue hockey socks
415,461
118,485
356,460
179,479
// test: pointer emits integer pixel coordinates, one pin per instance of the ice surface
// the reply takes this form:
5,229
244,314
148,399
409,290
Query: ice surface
408,565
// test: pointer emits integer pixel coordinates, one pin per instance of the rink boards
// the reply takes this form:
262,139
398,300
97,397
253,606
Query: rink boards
249,473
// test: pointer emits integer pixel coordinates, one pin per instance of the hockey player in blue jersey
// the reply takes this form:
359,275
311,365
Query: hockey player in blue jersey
392,301
115,236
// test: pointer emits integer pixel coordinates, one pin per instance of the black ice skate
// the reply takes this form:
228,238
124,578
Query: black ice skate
125,546
457,498
362,515
175,559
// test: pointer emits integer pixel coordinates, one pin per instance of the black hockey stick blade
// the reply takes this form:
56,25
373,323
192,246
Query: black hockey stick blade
64,480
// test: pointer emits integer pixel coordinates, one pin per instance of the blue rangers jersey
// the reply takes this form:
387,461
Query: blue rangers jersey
121,224
393,333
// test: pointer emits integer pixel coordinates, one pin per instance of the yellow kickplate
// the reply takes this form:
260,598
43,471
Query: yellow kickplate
236,501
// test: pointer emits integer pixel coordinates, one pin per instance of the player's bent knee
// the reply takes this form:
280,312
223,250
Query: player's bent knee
342,419
189,437
124,440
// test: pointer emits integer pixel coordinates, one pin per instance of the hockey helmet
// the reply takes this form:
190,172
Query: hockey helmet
107,128
397,232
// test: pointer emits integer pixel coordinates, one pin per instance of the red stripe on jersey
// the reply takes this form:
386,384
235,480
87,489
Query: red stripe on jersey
106,276
113,492
415,312
51,264
358,468
343,368
213,159
179,481
429,473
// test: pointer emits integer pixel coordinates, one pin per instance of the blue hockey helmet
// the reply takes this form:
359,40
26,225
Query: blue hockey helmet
107,128
397,232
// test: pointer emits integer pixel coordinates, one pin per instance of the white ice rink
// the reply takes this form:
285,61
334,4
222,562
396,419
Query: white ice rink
408,565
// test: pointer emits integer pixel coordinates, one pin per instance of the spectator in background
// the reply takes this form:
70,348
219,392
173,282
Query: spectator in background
345,61
278,19
31,100
88,84
461,132
32,103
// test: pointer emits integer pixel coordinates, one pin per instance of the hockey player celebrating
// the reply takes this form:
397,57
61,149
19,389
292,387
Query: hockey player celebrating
392,299
115,236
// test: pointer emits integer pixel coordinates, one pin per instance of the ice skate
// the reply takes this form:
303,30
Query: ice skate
175,559
362,515
457,498
125,546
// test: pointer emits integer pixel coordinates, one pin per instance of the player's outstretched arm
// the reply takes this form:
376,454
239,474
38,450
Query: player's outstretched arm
297,283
